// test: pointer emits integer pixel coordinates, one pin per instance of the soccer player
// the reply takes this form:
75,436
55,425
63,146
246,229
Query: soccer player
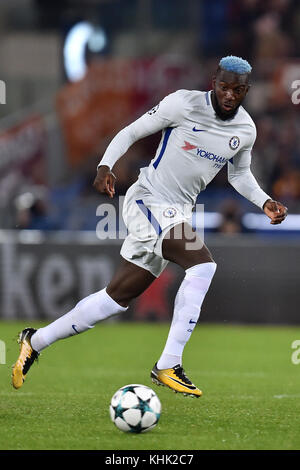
201,132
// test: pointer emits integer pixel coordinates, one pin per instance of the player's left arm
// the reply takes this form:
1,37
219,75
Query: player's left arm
275,210
242,179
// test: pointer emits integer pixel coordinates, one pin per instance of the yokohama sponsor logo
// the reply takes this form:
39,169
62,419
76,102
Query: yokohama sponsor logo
211,156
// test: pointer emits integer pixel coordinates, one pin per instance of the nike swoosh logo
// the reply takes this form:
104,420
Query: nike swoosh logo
191,387
198,130
74,328
191,321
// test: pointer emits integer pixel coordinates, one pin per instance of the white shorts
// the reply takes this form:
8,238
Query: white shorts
148,221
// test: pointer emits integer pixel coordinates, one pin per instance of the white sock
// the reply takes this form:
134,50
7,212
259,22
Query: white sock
84,315
187,309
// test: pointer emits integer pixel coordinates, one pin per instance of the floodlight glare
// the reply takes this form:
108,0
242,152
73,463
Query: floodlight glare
78,37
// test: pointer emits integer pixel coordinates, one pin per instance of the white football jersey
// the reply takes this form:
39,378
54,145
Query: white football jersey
195,145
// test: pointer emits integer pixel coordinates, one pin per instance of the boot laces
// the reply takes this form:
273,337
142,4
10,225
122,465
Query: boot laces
179,371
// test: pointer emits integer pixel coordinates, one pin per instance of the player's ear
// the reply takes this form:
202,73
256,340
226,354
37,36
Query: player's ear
214,78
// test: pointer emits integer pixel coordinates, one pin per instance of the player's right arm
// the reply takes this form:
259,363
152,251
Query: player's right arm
166,114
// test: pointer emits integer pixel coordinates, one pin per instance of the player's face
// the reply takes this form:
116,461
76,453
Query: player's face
229,91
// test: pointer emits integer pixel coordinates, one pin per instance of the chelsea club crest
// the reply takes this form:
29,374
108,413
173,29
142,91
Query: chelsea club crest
170,212
234,142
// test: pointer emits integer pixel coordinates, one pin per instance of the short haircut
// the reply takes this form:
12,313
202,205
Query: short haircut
235,64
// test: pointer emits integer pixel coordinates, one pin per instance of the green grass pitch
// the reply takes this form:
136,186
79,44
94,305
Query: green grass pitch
251,390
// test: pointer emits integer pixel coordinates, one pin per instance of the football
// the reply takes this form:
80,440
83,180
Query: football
135,408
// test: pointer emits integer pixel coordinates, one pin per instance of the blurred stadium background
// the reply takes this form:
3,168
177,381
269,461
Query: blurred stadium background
75,73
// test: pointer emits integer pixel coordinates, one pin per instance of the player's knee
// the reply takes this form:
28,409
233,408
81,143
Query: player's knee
202,260
198,258
118,295
210,268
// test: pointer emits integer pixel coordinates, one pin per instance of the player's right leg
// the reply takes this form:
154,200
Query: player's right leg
129,282
185,248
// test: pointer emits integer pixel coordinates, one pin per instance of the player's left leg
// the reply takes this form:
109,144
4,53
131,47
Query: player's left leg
188,251
128,282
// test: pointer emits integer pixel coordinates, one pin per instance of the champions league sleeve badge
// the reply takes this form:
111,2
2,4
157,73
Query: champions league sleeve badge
153,110
234,142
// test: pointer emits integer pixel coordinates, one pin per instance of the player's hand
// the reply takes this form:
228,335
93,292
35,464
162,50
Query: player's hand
105,181
276,211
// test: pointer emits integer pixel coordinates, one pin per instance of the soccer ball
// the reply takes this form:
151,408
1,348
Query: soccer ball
135,408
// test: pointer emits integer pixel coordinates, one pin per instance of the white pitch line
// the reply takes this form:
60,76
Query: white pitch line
287,396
